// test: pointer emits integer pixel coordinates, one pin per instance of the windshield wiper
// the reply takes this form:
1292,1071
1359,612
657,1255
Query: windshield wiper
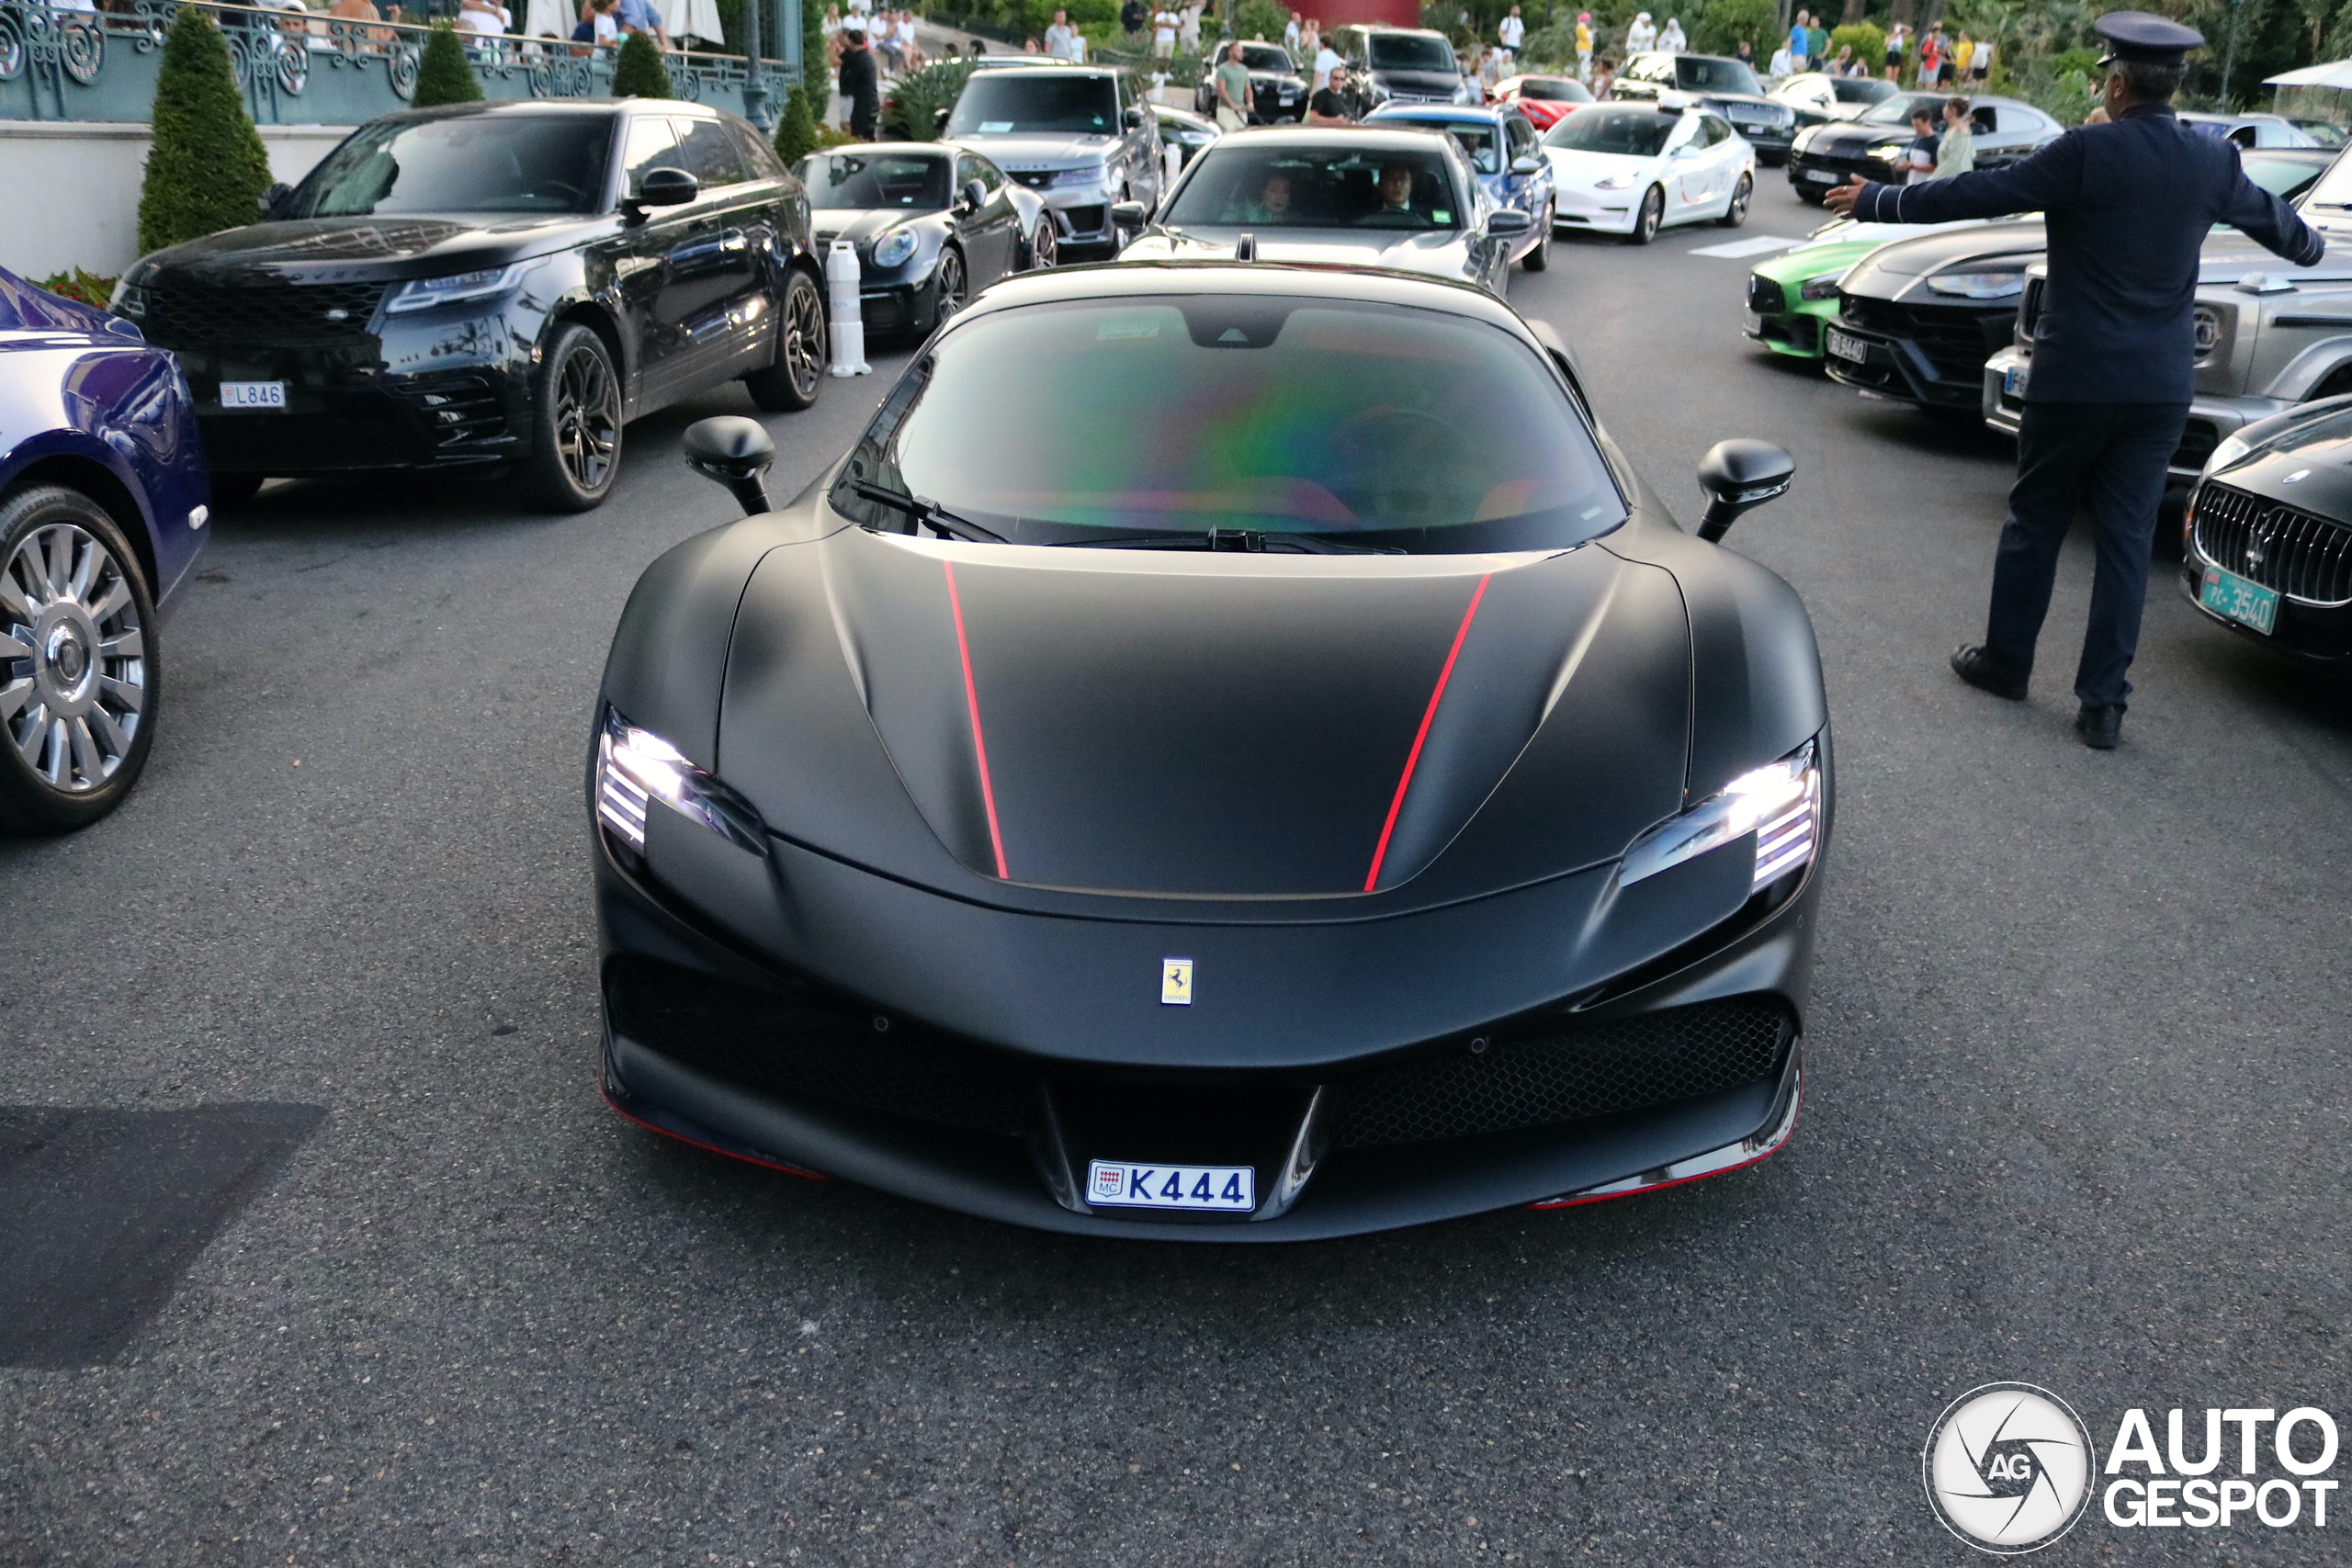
1246,539
928,513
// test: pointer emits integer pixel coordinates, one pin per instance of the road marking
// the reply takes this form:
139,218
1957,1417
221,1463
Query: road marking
1756,246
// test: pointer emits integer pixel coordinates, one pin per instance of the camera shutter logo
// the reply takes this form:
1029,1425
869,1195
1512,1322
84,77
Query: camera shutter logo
2008,1468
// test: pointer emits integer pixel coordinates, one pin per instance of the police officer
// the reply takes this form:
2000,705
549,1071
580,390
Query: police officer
2129,204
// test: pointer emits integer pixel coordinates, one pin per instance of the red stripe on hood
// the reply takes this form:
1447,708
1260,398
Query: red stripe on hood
1428,716
980,745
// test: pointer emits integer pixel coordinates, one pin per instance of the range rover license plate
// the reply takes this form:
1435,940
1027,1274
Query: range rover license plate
1847,346
253,394
1202,1189
2248,603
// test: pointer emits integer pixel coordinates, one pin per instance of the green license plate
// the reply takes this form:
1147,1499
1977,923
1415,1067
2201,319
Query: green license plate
2248,603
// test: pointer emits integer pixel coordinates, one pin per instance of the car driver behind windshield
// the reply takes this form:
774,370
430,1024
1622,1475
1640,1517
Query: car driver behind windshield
1395,209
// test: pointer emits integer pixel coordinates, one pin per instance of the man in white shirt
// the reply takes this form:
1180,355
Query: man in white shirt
1512,31
1290,33
1164,23
1326,66
1057,37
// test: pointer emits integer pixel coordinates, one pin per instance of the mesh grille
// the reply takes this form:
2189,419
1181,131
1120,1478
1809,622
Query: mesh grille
2300,556
1764,296
1649,1060
270,313
812,1044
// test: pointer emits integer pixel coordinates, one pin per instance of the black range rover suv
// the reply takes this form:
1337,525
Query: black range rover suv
495,284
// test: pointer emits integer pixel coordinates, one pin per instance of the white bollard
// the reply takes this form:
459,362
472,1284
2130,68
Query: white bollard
849,327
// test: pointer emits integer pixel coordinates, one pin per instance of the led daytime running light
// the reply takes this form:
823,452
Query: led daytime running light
1780,804
426,293
636,766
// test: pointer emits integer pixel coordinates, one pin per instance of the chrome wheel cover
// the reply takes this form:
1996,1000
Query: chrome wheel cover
587,417
73,659
804,338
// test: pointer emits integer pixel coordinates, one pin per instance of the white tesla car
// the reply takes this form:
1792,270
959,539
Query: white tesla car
1633,168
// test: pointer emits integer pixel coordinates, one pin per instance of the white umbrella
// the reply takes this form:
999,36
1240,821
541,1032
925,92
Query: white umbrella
549,18
2337,74
698,18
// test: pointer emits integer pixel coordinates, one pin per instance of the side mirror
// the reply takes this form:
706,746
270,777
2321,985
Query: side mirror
1505,222
939,119
1129,214
1737,475
1132,118
1526,165
277,192
735,451
976,195
666,188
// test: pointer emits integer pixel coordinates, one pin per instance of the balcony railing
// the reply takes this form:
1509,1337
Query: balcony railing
59,63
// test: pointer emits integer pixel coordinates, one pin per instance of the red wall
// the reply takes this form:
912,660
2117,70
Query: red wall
1332,13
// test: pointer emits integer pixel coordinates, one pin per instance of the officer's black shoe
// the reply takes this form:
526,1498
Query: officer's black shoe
2100,728
1973,665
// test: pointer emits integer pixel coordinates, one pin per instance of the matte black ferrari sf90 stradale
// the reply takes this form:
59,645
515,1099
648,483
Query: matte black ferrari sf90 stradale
1234,753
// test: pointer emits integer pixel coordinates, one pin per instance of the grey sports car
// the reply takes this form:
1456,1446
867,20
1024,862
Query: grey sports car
1405,200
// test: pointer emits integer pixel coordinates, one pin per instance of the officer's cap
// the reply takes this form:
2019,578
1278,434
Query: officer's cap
2139,37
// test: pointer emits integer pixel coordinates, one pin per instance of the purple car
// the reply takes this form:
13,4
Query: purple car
103,503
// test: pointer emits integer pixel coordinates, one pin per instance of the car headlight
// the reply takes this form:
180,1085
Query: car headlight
129,301
1095,176
1616,182
1887,151
1780,804
458,288
2232,449
894,248
636,766
1991,283
1822,287
2210,326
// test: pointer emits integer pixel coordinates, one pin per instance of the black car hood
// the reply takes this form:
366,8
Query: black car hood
2309,468
860,226
1210,726
320,250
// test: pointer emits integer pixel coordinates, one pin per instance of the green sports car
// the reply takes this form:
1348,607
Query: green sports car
1790,295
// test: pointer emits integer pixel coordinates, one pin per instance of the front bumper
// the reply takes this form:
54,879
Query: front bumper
2317,634
1599,212
1927,355
347,411
1783,321
2211,419
1807,169
1685,1063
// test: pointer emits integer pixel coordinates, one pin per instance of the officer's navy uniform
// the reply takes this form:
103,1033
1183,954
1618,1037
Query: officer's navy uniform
2128,206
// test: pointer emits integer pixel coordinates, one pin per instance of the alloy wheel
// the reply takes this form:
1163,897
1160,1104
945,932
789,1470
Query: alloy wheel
951,283
1652,217
1044,250
73,659
587,417
804,337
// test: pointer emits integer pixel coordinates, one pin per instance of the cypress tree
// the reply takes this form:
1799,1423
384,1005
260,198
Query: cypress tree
443,74
639,74
205,170
796,133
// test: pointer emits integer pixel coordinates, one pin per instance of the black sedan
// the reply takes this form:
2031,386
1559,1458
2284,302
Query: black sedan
2004,130
2268,546
493,285
1277,91
932,222
1233,753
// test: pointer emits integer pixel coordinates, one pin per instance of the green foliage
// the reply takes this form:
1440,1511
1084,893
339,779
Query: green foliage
912,113
1869,43
1554,48
730,22
1724,23
638,73
2074,62
206,170
795,132
1256,19
1084,14
443,74
87,288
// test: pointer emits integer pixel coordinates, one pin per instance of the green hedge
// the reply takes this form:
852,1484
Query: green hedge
443,74
205,170
638,73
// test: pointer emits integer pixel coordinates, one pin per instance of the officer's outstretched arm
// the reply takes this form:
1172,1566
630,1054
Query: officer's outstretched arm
2269,222
2043,183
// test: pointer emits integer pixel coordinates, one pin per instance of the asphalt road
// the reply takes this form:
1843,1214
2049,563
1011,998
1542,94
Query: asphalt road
2076,1112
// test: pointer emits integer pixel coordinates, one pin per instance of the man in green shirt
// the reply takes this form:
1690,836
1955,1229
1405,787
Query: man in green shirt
1956,153
1232,91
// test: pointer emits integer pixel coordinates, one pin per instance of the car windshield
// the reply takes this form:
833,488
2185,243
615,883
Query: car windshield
914,182
1015,103
1482,142
2335,187
477,162
1317,187
1633,133
1896,108
1705,74
1321,425
2281,176
2324,133
1266,57
1860,89
1412,51
1548,91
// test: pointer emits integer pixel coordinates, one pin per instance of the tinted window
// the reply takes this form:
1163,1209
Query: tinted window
652,145
710,153
1637,133
1007,103
764,164
1546,90
2279,175
1523,136
1860,89
1477,140
912,181
1315,187
1897,110
1266,57
1350,422
468,163
1713,132
1700,72
1411,52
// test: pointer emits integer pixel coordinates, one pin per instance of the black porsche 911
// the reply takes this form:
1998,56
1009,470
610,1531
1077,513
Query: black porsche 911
932,223
1178,775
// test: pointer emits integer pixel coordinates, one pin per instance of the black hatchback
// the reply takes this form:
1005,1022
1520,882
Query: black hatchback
493,285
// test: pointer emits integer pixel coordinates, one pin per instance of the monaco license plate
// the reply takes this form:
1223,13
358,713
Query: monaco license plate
1821,176
2248,603
1847,346
1753,322
1202,1189
2013,381
253,394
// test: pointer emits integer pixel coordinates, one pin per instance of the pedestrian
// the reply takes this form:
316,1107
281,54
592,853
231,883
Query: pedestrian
1058,35
1898,45
1800,42
1961,53
1842,63
1604,76
2127,206
1672,39
1188,32
1943,58
639,17
1164,23
1956,152
861,84
1291,34
1918,163
1326,107
1584,47
1929,59
1980,65
1784,65
1232,92
1816,41
1326,66
1641,36
1512,31
1746,54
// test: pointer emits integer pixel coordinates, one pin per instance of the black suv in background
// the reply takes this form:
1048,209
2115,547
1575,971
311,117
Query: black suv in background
1401,65
1723,84
501,285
